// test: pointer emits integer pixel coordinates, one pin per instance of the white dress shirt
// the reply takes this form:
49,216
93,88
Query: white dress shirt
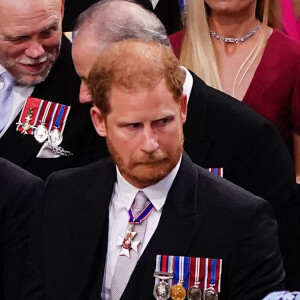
154,3
188,83
19,95
122,199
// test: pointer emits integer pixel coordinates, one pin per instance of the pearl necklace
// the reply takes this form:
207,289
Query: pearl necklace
234,40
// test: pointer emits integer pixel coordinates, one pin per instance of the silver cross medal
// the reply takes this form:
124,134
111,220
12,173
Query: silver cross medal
127,243
26,125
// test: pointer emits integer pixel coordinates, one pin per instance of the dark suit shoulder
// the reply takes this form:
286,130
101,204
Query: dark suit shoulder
85,173
225,195
13,179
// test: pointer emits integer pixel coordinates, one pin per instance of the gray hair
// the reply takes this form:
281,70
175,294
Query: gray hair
115,20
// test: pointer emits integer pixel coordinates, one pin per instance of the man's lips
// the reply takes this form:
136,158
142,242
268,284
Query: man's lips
34,68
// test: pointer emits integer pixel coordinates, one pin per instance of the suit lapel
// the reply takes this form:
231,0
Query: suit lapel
92,223
197,140
179,222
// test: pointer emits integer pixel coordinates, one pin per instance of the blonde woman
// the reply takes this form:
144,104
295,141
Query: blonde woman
235,47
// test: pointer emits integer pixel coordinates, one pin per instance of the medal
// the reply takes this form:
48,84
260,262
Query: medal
26,125
210,294
178,292
41,132
214,274
194,292
163,271
162,290
181,268
127,243
55,136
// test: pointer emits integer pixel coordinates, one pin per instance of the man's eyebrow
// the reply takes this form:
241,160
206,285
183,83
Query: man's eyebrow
53,25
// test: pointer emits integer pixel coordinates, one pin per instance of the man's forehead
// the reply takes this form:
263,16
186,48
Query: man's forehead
29,9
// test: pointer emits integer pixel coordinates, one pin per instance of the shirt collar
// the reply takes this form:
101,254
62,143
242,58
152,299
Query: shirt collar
156,193
188,83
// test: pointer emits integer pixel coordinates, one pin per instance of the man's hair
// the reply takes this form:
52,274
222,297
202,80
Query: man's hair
111,21
132,64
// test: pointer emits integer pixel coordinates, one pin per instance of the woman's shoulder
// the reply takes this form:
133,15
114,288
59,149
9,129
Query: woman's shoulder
281,42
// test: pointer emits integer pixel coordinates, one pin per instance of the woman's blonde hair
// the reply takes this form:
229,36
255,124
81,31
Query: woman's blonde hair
197,52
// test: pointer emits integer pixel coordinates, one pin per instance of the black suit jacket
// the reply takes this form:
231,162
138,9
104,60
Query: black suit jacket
61,86
204,215
168,11
222,132
19,194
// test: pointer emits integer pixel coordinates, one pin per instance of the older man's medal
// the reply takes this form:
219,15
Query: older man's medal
194,292
55,135
25,126
41,132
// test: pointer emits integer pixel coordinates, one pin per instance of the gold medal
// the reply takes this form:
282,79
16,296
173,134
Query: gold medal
178,292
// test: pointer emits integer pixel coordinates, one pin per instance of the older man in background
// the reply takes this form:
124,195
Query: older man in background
43,127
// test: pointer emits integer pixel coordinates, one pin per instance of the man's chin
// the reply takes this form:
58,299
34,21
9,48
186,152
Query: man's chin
32,79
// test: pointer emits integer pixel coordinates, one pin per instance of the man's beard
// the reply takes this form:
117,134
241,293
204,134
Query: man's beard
30,78
149,168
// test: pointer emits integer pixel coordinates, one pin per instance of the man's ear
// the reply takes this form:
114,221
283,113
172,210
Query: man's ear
62,8
98,120
183,108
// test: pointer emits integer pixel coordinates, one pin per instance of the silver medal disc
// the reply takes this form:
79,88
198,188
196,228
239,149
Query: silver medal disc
210,294
194,293
55,137
162,291
41,133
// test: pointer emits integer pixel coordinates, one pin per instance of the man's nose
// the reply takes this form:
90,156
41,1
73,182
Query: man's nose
84,94
150,143
34,49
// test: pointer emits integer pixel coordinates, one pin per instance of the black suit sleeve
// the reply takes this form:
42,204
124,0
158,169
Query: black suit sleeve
256,266
20,192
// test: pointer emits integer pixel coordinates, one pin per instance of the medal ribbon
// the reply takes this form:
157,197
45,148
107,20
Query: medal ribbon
38,114
142,215
217,171
46,111
164,263
59,117
195,271
181,270
214,270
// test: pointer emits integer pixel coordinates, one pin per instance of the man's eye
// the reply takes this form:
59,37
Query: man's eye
49,32
17,39
133,126
163,122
